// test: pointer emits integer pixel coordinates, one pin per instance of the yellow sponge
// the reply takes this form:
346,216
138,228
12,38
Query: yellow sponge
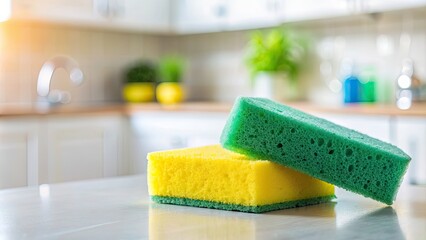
217,178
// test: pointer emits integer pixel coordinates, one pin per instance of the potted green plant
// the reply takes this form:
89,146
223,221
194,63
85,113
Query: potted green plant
274,59
139,83
170,70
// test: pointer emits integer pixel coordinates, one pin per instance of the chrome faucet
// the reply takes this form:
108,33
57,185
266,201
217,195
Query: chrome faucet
46,74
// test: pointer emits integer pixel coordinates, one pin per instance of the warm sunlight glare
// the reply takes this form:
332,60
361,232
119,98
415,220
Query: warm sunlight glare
5,10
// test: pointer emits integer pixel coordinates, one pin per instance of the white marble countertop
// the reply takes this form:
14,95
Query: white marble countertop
119,208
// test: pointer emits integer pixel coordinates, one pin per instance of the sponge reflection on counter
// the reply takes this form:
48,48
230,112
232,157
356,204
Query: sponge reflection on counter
213,177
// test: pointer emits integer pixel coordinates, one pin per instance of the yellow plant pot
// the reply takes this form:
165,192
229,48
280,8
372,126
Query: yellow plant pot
138,92
170,93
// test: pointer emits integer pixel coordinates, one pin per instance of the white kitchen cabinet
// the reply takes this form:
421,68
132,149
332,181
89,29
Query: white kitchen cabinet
149,15
155,131
134,15
194,16
410,136
249,14
300,10
389,5
18,152
60,11
50,149
83,148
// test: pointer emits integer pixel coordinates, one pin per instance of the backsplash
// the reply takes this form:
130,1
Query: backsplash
216,69
102,55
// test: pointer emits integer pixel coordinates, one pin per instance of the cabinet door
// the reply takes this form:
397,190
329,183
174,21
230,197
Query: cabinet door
389,5
249,14
155,131
195,16
299,10
75,12
83,148
411,137
139,15
18,152
150,15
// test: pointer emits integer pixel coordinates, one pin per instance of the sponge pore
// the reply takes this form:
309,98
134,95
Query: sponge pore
261,128
213,177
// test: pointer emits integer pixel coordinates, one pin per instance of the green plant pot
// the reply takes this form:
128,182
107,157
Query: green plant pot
138,92
170,93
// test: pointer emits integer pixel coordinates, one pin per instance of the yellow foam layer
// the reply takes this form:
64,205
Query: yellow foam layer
212,173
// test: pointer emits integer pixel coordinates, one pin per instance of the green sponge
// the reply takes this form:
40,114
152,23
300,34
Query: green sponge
263,129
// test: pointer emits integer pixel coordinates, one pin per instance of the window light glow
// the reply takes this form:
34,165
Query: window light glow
5,10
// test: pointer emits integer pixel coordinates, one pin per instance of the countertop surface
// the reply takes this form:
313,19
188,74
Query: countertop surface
119,208
13,110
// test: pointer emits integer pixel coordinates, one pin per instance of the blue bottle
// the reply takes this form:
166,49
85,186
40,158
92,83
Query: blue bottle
352,89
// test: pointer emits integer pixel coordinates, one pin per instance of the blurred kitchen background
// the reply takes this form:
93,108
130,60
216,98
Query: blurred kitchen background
361,63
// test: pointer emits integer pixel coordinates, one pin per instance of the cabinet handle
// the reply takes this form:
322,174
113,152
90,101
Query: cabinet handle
101,7
355,6
220,11
116,8
109,8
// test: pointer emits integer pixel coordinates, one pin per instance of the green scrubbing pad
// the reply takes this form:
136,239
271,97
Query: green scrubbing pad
261,128
239,207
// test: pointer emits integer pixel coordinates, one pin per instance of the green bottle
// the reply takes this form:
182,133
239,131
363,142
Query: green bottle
368,85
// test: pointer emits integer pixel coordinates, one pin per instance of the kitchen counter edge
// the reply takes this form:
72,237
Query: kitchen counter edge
418,109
